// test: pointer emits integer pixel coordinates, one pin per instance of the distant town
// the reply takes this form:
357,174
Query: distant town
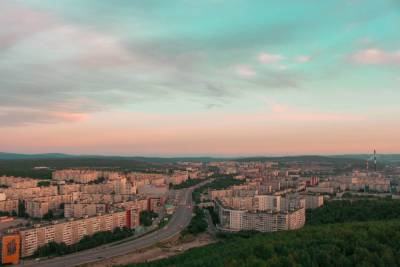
68,213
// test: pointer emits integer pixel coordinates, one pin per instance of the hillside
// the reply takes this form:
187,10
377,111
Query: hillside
343,233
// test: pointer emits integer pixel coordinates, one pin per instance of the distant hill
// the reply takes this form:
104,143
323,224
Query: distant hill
8,156
322,158
379,157
15,156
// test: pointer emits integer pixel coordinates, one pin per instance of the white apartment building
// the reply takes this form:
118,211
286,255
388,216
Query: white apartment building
263,221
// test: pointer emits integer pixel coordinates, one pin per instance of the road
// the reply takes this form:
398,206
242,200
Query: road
178,222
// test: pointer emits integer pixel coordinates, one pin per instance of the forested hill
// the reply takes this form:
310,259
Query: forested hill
348,244
306,158
340,235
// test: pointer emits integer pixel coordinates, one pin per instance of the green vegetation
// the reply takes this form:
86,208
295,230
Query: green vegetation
223,181
4,213
99,180
21,209
356,210
146,217
350,244
363,195
48,216
26,167
188,183
342,233
214,215
198,224
100,238
43,183
220,182
51,216
164,221
18,168
196,194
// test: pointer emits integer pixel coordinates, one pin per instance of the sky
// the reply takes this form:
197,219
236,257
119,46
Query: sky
210,77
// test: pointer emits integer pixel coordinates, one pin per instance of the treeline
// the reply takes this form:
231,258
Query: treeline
24,172
354,210
25,167
188,183
98,239
348,244
219,182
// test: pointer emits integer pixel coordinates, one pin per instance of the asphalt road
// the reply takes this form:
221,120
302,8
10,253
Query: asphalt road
178,222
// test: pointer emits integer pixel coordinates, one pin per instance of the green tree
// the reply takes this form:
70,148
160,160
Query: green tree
43,183
146,217
21,209
48,216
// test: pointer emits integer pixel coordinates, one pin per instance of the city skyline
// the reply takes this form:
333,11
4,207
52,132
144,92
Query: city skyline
222,78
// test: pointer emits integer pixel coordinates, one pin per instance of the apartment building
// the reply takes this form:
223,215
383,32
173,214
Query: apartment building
253,202
321,189
139,204
69,189
153,190
25,193
290,202
155,203
111,187
145,178
214,194
267,202
263,221
38,207
77,175
9,205
313,201
178,177
79,210
69,232
18,182
103,198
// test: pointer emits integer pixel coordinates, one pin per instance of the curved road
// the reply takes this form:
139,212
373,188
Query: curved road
178,222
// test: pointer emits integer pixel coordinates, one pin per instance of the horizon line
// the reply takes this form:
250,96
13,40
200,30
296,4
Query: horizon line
197,155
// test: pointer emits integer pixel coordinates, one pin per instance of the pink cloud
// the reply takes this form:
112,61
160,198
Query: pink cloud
22,23
375,56
69,117
23,116
316,117
282,112
270,58
278,108
245,71
303,59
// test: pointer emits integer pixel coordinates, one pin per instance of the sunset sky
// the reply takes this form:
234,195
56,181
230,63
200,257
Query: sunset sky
200,77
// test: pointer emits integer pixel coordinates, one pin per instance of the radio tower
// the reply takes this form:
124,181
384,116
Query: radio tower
375,159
